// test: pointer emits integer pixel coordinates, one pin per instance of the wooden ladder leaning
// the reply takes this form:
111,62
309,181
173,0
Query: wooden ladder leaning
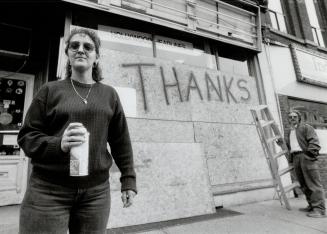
269,133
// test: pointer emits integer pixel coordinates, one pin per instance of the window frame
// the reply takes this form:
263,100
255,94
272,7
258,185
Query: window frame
277,13
315,25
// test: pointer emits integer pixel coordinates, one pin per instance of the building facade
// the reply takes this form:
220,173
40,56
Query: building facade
294,56
187,73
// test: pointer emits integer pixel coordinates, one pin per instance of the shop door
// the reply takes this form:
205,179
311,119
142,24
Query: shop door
16,92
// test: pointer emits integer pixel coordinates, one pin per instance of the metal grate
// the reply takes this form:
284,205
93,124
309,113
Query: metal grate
209,18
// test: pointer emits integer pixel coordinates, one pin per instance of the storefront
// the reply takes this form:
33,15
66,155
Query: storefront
187,73
186,93
16,94
26,62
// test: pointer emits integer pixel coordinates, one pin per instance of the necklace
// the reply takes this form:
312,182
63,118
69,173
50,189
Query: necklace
87,95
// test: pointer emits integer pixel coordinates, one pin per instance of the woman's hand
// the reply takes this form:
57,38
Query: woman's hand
127,197
73,135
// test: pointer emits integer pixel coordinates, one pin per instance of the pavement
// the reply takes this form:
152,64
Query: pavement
255,218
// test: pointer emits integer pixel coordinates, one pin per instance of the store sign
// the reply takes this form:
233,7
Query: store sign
113,34
310,67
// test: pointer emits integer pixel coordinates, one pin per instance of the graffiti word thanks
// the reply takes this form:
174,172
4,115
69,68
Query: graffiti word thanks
220,88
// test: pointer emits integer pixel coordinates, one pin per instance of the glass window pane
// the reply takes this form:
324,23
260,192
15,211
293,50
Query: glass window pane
183,52
126,40
312,13
313,18
281,22
320,38
277,14
275,6
315,38
273,20
233,66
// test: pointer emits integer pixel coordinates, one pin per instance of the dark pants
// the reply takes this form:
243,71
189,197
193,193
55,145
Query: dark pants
49,208
307,173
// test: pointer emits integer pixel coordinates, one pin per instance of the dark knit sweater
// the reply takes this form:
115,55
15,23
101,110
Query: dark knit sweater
53,108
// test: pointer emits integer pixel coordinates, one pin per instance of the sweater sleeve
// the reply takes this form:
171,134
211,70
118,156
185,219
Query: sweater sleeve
32,137
121,147
313,142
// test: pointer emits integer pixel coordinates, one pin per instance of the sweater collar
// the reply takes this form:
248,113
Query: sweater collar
80,84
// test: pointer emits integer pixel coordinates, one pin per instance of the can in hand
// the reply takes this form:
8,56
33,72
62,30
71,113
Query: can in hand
79,158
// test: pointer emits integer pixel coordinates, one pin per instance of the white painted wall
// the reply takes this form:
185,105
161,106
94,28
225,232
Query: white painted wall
285,78
276,69
269,83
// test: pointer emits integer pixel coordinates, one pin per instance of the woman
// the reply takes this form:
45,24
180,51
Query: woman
60,116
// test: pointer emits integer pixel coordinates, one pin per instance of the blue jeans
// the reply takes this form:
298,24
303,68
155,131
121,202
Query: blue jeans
49,208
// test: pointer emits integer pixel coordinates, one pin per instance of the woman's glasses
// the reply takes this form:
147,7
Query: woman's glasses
75,45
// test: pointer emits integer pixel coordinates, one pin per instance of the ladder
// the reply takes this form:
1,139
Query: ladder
269,133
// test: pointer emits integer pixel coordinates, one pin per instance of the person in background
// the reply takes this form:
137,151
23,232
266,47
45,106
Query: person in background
61,115
303,144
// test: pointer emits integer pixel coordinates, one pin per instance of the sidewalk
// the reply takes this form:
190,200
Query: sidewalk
256,218
262,217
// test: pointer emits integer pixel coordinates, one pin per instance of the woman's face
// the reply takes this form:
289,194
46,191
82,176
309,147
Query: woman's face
81,53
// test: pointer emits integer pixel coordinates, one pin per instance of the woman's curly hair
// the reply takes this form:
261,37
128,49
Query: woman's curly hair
96,70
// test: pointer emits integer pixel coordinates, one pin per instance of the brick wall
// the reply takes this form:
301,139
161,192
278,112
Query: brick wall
284,109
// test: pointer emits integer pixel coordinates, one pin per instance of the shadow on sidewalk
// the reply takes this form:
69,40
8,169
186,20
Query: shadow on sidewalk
220,213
